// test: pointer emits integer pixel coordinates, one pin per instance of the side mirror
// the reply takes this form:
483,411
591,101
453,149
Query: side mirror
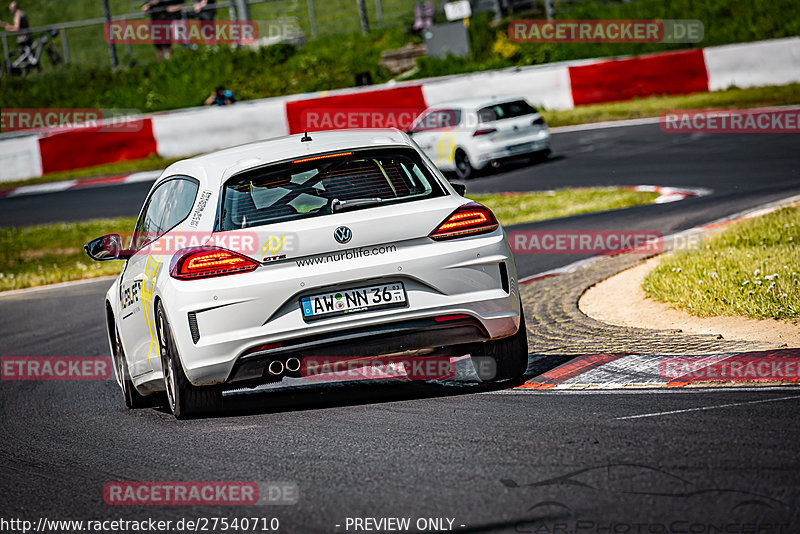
107,247
461,189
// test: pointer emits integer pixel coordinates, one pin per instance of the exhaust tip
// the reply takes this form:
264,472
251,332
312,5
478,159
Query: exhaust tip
293,364
275,367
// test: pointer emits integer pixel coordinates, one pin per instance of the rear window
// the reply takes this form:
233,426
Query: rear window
506,110
323,184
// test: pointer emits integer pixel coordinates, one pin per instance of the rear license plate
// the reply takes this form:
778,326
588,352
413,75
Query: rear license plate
346,301
524,147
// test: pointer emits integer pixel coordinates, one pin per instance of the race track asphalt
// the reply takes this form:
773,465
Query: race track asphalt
492,460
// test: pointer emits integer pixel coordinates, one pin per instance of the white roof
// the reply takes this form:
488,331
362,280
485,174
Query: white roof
218,166
475,102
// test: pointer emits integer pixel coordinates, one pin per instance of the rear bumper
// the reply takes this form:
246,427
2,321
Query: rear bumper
489,152
450,338
217,322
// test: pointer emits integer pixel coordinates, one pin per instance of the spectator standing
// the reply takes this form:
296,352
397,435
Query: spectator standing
164,12
205,11
423,15
20,24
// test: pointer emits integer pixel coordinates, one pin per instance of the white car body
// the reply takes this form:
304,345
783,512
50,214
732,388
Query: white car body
217,322
485,137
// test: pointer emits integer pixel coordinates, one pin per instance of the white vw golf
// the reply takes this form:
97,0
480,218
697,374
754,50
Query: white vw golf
466,136
247,262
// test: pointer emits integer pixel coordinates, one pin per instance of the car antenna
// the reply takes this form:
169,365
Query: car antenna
305,138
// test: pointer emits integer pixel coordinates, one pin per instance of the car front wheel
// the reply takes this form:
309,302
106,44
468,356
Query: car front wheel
184,398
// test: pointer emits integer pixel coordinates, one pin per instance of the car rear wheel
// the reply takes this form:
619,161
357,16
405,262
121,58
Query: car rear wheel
133,399
464,168
183,398
510,356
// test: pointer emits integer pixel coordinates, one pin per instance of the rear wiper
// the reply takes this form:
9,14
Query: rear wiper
341,205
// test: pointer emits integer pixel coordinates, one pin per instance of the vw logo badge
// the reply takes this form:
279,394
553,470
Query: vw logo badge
343,234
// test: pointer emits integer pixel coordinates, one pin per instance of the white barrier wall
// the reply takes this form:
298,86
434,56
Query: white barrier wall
200,130
20,158
775,62
547,87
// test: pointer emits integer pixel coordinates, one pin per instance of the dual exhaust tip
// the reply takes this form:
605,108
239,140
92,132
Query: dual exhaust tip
289,366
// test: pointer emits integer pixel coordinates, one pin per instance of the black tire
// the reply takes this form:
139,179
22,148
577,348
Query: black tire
133,399
183,398
542,155
510,356
464,169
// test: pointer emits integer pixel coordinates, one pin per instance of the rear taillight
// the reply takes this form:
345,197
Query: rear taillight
207,262
469,219
484,131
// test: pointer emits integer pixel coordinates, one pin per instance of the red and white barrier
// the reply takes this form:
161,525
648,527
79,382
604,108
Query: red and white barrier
553,86
773,62
200,130
673,73
20,158
546,86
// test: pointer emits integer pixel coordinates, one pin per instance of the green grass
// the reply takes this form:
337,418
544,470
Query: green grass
751,269
331,61
735,98
52,253
527,207
725,21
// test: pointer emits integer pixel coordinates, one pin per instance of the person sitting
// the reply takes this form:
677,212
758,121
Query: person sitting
221,97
